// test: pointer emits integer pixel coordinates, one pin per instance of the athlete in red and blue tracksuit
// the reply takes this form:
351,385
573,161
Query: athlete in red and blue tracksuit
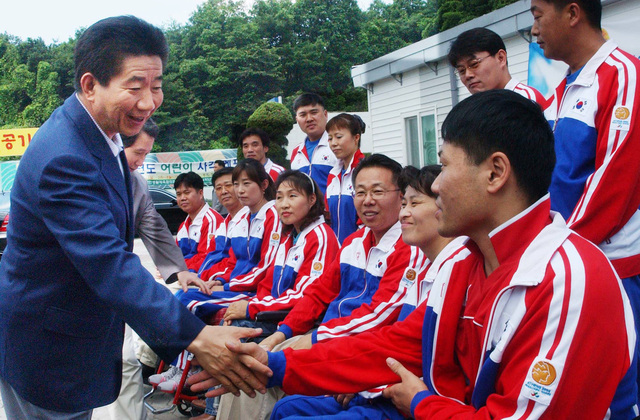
300,260
369,404
273,169
223,241
360,291
196,238
296,266
339,196
527,341
319,164
254,242
595,115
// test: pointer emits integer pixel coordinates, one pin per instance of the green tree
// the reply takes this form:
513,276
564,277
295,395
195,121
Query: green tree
276,120
454,12
327,46
15,95
222,71
45,98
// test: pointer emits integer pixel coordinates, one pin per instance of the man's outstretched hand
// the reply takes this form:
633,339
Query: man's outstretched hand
236,369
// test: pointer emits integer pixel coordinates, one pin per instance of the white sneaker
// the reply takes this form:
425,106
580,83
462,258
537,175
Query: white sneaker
159,378
171,385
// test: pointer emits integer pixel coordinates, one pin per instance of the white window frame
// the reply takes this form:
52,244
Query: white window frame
432,111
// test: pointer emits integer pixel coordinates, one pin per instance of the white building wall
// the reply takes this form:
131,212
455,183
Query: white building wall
435,91
389,103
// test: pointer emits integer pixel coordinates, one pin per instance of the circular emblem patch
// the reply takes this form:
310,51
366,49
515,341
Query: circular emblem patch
622,112
275,237
543,373
410,275
317,266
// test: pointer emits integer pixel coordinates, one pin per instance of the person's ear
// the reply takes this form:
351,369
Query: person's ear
501,56
312,200
88,84
499,171
574,14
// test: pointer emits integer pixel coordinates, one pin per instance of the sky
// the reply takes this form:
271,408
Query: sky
57,21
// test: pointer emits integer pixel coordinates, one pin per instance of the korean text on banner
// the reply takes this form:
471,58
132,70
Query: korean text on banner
14,141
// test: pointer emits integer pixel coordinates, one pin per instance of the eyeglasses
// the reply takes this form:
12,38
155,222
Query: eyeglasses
376,194
472,65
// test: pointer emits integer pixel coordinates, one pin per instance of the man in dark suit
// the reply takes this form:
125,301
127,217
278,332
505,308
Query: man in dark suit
69,280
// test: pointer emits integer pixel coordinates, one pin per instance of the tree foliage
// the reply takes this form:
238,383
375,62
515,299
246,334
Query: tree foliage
227,61
276,120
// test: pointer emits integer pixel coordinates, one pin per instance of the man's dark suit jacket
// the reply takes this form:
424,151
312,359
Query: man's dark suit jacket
153,230
68,279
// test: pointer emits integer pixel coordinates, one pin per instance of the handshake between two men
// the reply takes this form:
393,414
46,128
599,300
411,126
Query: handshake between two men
227,362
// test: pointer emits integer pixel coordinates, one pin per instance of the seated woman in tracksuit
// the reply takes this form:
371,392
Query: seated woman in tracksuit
345,131
308,244
254,241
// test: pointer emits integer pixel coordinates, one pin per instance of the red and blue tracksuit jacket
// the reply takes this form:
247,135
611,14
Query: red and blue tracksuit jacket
369,404
528,92
223,242
273,169
339,197
360,291
596,181
529,340
196,238
318,165
253,248
419,289
296,266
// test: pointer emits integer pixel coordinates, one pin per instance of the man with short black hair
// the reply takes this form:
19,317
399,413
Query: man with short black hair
196,235
479,56
255,145
225,193
595,115
215,203
314,156
68,277
218,164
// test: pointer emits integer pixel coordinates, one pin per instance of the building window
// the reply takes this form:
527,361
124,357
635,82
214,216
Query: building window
429,140
421,139
413,141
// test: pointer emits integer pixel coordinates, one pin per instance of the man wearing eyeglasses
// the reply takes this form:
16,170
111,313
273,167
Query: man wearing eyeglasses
479,56
362,290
